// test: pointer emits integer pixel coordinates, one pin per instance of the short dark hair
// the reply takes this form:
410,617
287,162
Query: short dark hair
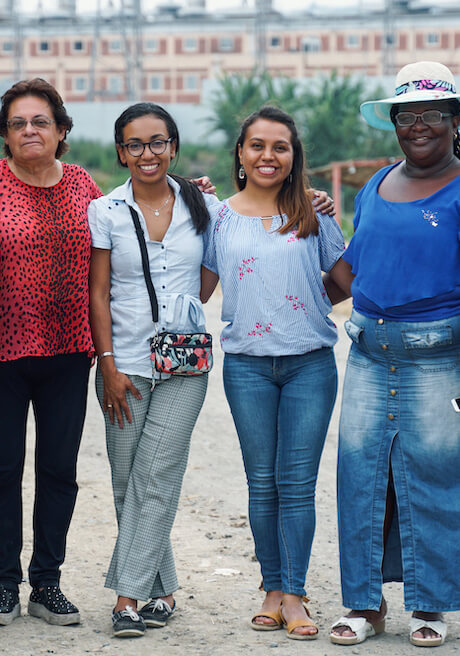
44,90
145,109
193,198
295,196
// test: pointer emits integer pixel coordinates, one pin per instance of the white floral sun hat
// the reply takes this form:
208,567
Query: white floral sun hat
419,82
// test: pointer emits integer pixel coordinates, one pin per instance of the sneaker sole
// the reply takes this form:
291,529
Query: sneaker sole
7,618
154,624
128,633
38,610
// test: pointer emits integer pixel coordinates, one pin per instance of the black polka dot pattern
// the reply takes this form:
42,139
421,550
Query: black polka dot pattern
45,246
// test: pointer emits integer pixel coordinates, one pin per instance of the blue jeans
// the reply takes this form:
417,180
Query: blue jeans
281,407
397,415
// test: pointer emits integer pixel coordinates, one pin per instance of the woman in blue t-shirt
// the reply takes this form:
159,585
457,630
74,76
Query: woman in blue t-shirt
399,446
268,247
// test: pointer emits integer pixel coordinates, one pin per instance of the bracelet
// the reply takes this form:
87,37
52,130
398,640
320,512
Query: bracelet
105,354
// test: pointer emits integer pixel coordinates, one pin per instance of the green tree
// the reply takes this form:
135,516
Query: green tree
240,95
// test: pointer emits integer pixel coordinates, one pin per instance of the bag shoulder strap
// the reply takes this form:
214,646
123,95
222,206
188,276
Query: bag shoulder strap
145,264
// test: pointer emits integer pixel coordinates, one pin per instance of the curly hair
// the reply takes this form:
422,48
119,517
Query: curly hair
40,89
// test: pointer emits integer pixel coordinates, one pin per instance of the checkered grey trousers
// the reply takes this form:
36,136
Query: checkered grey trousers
148,459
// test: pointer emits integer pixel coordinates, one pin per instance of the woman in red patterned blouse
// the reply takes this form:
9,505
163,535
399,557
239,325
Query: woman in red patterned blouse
45,339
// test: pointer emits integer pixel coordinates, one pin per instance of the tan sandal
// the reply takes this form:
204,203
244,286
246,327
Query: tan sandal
275,616
295,624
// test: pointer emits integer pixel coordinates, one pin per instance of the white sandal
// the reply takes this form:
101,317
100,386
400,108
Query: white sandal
360,627
438,626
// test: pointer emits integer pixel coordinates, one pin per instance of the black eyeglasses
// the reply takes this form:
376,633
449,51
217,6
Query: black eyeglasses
430,117
157,146
39,123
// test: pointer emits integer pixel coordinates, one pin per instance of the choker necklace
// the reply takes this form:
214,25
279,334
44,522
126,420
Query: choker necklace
157,210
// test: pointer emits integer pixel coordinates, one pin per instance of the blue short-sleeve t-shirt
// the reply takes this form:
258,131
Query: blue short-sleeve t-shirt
406,255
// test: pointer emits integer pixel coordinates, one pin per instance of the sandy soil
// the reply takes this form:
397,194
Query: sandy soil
214,554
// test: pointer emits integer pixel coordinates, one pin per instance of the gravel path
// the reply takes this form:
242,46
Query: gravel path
214,554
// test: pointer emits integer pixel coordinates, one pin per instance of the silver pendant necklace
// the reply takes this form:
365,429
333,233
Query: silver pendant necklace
157,210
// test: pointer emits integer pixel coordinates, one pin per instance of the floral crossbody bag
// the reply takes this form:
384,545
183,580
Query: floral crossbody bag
184,354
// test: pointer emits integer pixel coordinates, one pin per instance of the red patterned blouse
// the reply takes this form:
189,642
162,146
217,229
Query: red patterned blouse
45,246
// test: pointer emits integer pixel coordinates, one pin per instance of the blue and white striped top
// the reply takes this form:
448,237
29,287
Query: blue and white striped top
274,299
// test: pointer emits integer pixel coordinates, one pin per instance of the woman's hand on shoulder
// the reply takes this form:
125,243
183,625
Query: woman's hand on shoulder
116,386
323,203
204,184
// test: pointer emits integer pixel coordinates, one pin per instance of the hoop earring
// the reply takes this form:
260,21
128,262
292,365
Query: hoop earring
290,178
241,173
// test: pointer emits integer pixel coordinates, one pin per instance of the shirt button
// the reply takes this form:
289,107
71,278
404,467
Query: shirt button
384,346
393,392
391,417
380,321
392,369
162,247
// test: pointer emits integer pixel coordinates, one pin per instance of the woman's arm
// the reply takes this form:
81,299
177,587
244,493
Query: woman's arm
116,383
209,282
338,281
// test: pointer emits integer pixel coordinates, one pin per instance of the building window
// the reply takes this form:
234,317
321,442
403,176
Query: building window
432,39
115,45
190,45
151,45
311,44
7,46
275,42
79,84
226,44
353,41
156,83
115,84
44,46
78,46
191,82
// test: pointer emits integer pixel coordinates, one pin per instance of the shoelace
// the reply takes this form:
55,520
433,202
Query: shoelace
160,604
130,612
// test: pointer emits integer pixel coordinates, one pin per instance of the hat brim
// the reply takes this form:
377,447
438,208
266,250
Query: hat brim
377,112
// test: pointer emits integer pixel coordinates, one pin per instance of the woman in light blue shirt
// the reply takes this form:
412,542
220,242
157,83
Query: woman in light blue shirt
268,246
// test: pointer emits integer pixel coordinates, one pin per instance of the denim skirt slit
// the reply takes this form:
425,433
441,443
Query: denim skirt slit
399,428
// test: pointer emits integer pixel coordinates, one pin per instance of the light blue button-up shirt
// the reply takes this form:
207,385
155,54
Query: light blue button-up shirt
174,266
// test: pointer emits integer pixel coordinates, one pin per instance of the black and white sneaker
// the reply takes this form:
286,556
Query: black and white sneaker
157,612
126,623
52,605
10,608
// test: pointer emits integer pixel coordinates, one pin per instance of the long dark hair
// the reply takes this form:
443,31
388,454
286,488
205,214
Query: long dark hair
454,108
40,89
295,196
193,198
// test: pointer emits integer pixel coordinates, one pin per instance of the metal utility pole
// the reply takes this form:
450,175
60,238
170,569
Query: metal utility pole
138,49
389,39
94,49
260,34
17,41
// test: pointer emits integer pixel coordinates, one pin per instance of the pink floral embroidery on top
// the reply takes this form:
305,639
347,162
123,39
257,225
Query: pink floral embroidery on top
260,330
293,236
246,267
296,304
220,214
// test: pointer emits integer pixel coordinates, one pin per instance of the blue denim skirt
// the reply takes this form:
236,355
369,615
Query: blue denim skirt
397,416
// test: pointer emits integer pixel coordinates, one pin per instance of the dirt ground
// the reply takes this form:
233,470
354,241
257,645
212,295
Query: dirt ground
214,553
